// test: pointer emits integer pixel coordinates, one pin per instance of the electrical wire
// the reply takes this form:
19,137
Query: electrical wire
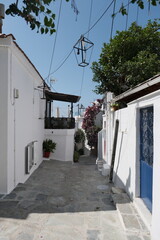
113,16
54,45
127,16
89,23
82,81
62,62
137,14
90,15
124,7
99,17
83,34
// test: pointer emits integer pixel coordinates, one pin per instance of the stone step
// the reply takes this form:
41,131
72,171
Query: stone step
130,219
99,164
105,169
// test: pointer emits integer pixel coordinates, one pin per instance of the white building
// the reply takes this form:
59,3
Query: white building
132,143
24,105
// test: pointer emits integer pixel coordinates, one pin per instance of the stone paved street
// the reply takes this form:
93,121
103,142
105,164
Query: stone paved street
62,201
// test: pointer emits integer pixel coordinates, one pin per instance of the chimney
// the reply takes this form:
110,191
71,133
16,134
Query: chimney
2,15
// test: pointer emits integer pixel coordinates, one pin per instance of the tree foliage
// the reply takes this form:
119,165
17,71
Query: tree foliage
130,58
39,15
140,3
36,13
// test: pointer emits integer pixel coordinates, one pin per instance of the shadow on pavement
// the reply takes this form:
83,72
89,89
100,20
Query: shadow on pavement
59,187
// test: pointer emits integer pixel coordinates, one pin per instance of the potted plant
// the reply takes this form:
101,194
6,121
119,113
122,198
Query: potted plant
48,147
114,107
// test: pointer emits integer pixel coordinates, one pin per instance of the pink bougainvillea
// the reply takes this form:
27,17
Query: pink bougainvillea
89,126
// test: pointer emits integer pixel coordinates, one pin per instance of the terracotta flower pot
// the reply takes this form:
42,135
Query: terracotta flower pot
46,154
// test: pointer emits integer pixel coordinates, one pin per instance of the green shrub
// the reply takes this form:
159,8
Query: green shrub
76,156
49,145
79,136
81,151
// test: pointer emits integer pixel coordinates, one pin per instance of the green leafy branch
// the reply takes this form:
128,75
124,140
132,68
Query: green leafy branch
140,4
31,11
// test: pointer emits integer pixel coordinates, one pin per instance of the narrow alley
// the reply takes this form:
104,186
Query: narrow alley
61,201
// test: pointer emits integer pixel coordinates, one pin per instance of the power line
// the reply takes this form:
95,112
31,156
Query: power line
99,17
113,16
90,15
83,34
89,23
124,6
127,16
137,14
54,46
82,81
62,62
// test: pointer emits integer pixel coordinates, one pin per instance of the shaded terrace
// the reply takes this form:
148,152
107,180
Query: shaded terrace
57,122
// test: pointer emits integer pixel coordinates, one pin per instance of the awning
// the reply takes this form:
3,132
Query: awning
61,97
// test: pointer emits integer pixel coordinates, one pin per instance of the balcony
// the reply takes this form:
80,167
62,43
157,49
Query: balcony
59,123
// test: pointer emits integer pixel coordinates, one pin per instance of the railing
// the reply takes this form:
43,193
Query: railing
59,123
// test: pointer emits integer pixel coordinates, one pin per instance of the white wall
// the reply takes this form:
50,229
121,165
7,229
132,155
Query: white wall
23,118
3,117
126,169
64,138
78,122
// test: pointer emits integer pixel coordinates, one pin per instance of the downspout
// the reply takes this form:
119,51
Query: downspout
114,151
12,101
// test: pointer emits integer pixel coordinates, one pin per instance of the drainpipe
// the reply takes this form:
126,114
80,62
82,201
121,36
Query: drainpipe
72,110
114,150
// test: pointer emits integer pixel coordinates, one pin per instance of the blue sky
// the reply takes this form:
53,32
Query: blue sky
68,79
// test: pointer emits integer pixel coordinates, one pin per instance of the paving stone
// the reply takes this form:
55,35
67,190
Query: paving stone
69,220
125,208
143,226
25,204
130,222
110,219
8,227
1,196
19,198
19,188
62,234
116,190
134,238
8,204
64,201
22,235
93,234
121,198
58,201
102,187
113,234
146,237
41,197
10,196
106,200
